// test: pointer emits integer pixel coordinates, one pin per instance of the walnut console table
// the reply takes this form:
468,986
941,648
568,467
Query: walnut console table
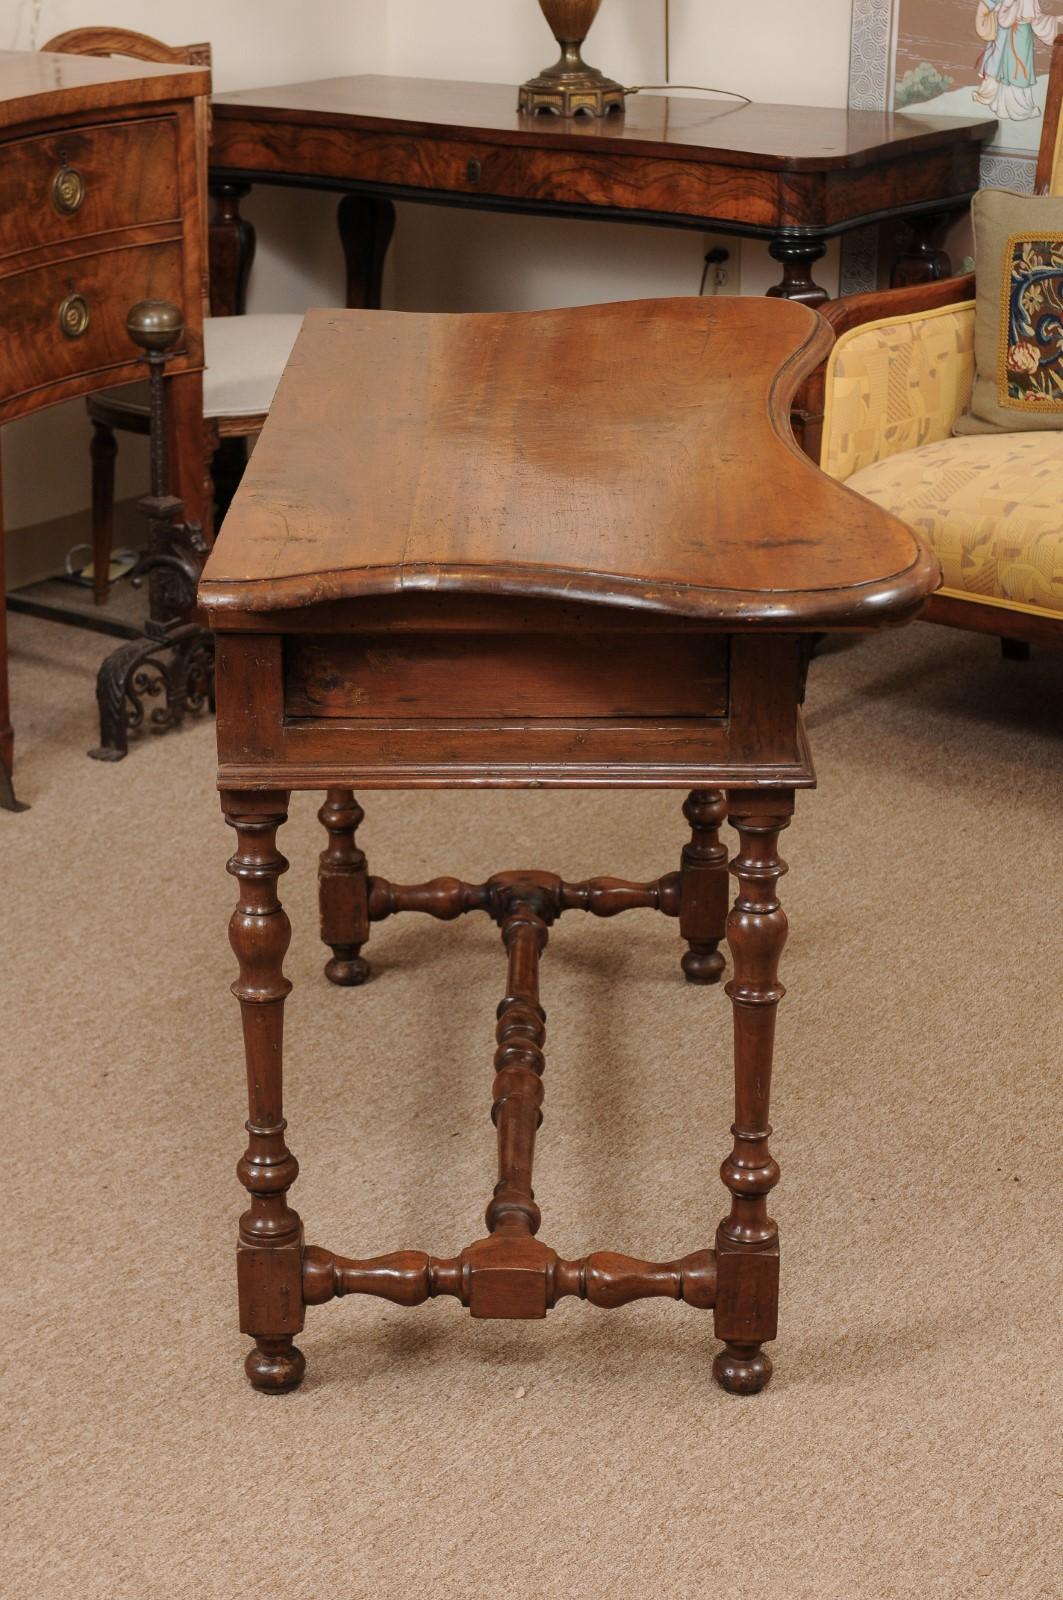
572,549
795,176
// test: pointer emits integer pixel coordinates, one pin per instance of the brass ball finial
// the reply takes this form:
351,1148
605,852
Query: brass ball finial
155,325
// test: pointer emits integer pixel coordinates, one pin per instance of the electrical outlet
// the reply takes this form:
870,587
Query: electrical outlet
726,276
722,271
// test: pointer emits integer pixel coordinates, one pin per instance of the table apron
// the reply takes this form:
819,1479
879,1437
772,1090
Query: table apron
740,199
753,736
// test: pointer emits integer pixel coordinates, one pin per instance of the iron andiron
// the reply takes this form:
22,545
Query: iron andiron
173,661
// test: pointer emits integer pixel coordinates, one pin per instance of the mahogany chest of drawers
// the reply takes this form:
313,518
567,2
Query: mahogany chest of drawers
101,205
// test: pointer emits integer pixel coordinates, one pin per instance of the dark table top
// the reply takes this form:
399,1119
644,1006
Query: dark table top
774,137
36,84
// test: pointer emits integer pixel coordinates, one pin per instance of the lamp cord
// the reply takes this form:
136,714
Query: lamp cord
699,88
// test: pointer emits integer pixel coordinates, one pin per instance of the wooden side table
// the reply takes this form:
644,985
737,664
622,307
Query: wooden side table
570,549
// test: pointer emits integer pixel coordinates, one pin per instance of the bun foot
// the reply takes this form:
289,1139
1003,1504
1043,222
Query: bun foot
275,1366
741,1368
347,969
703,964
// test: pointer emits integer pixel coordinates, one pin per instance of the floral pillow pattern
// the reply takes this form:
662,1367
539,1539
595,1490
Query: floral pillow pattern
1018,336
1030,368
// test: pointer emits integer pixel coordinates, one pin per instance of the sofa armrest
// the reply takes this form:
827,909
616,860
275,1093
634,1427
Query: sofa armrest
855,311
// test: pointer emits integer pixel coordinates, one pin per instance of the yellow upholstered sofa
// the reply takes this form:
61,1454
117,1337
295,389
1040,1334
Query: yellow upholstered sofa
991,505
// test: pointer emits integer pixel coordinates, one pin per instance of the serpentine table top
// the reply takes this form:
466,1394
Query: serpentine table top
635,455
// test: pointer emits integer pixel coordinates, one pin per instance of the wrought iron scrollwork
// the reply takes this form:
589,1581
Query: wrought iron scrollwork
176,670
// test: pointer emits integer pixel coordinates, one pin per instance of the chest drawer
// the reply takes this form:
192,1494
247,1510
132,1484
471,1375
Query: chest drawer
82,181
67,320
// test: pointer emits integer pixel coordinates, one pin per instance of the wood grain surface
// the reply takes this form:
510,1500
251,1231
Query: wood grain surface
35,84
128,172
636,453
788,138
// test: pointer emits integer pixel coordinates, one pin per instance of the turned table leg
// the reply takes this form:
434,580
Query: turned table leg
747,1241
703,892
269,1254
797,258
343,890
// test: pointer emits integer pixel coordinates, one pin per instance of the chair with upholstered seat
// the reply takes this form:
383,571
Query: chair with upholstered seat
244,355
991,504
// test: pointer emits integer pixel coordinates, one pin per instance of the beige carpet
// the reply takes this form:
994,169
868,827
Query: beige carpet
908,1445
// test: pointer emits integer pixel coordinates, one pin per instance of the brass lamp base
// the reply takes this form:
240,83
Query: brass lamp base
571,88
565,93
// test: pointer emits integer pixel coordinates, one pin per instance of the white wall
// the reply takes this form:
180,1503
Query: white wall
441,259
456,261
775,51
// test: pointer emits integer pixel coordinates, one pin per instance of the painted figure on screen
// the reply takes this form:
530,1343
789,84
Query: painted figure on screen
1006,65
991,56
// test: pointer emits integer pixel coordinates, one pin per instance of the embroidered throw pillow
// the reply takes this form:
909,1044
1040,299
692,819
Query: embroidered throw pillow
1019,320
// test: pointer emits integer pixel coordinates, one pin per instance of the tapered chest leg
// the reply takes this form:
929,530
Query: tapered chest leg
269,1253
343,889
703,893
747,1241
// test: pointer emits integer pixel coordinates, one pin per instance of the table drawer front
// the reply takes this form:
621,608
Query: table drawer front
82,181
567,177
486,675
66,320
263,741
680,188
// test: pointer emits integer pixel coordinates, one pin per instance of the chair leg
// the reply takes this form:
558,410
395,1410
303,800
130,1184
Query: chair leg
343,890
102,450
227,468
211,442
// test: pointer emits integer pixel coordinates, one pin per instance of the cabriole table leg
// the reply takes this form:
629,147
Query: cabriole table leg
269,1254
366,223
747,1241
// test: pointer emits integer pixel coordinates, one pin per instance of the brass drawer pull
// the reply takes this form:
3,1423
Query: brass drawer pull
74,316
68,190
